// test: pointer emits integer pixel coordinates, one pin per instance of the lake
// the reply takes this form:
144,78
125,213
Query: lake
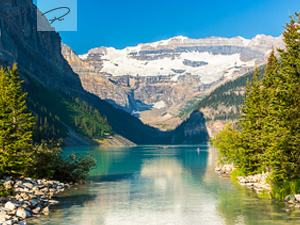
143,186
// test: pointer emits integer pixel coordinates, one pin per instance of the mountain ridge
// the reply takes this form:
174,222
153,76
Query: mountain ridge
246,41
38,55
138,60
155,81
222,105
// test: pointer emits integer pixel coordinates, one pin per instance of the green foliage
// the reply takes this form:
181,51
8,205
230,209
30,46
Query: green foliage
231,94
17,154
282,123
251,128
225,94
15,125
268,133
47,127
74,167
282,189
90,123
236,173
227,144
2,190
64,107
56,111
279,192
294,187
189,107
48,162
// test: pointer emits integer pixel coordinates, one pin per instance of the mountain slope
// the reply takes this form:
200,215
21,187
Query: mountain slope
156,81
38,55
230,94
211,58
59,115
216,108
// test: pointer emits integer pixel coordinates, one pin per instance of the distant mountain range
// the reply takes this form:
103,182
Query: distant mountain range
157,81
209,58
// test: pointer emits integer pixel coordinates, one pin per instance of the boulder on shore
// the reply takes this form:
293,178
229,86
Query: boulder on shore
32,197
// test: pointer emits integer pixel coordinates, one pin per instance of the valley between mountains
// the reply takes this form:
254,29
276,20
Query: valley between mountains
161,83
166,92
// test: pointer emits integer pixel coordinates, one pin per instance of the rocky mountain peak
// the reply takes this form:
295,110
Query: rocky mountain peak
155,80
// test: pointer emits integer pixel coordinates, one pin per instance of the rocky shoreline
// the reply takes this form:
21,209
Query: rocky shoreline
257,182
28,198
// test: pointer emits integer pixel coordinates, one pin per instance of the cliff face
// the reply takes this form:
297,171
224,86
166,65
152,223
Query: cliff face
156,100
198,129
39,56
95,82
37,53
175,71
155,81
214,127
191,131
220,106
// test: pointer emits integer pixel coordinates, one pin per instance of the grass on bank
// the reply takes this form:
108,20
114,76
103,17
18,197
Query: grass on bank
278,192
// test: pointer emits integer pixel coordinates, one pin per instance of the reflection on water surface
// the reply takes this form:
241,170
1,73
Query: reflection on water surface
144,185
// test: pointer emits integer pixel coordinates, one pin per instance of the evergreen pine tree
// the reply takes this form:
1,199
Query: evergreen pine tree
286,110
269,107
269,131
251,127
15,124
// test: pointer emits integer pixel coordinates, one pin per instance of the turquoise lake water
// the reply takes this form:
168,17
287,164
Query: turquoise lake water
146,186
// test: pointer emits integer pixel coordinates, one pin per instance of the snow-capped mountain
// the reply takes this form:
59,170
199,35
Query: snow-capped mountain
210,58
155,80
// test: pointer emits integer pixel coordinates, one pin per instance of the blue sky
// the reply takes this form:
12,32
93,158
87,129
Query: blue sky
121,23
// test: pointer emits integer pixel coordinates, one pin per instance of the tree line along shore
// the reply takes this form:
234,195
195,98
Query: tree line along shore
31,172
266,138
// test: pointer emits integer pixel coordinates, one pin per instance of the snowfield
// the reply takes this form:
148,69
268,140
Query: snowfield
152,59
118,62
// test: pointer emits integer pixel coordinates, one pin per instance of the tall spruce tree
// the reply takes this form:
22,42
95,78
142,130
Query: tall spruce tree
251,127
15,124
269,130
269,105
286,151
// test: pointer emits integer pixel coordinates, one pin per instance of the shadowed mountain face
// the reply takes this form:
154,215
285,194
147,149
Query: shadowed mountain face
39,57
221,105
155,81
37,53
191,131
43,67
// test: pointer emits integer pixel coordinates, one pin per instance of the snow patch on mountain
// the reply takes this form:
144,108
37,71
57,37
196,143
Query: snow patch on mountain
83,57
117,63
245,41
159,105
210,58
